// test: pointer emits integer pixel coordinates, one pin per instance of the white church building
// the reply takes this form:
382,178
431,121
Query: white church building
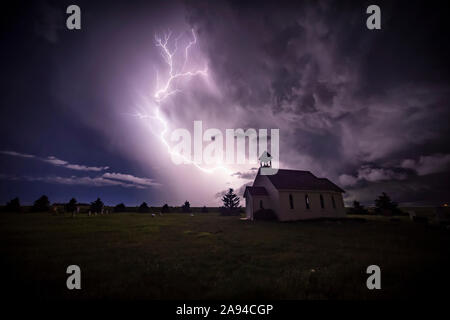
294,195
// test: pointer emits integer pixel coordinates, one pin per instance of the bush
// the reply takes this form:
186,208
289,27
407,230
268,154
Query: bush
385,206
72,205
13,206
120,208
265,214
357,209
165,208
41,205
97,206
144,208
186,207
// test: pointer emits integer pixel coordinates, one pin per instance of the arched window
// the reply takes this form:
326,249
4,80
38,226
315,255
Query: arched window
322,205
291,201
333,202
261,204
307,201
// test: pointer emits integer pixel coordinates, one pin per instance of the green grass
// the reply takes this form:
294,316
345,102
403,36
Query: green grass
176,256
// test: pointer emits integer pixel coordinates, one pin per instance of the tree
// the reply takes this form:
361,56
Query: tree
230,204
41,205
97,206
186,207
144,207
72,205
358,209
230,200
165,208
204,209
120,208
13,205
384,205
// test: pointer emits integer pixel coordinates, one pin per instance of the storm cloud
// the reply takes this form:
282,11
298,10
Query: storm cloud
346,106
367,109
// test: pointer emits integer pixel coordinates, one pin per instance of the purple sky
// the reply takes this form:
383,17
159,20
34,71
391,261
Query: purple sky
367,109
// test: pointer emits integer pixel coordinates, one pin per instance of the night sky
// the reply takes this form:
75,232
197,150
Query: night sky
367,109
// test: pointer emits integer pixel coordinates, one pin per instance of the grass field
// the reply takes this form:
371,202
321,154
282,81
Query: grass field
176,256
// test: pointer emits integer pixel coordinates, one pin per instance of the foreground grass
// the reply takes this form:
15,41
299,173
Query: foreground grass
176,256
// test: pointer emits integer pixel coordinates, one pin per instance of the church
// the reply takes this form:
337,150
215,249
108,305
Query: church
293,195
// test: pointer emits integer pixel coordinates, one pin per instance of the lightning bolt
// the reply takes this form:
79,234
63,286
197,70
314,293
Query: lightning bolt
168,89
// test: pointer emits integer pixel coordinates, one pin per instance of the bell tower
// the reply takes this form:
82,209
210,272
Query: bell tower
265,160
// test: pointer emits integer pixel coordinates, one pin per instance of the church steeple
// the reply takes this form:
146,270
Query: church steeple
265,160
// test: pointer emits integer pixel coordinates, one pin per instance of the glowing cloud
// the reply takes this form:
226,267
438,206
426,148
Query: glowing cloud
168,88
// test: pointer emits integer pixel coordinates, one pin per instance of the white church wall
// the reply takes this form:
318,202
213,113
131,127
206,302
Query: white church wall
279,202
300,211
273,196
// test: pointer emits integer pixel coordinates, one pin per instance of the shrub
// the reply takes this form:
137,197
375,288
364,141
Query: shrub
186,207
41,205
97,206
384,205
13,206
265,214
144,208
72,205
120,208
357,209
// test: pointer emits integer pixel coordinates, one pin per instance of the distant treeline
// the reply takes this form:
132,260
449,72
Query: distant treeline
84,208
170,209
230,207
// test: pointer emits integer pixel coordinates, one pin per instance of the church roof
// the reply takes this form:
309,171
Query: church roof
256,191
301,180
265,157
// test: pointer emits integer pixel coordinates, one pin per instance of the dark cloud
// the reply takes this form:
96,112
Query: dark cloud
428,164
351,104
245,175
367,109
